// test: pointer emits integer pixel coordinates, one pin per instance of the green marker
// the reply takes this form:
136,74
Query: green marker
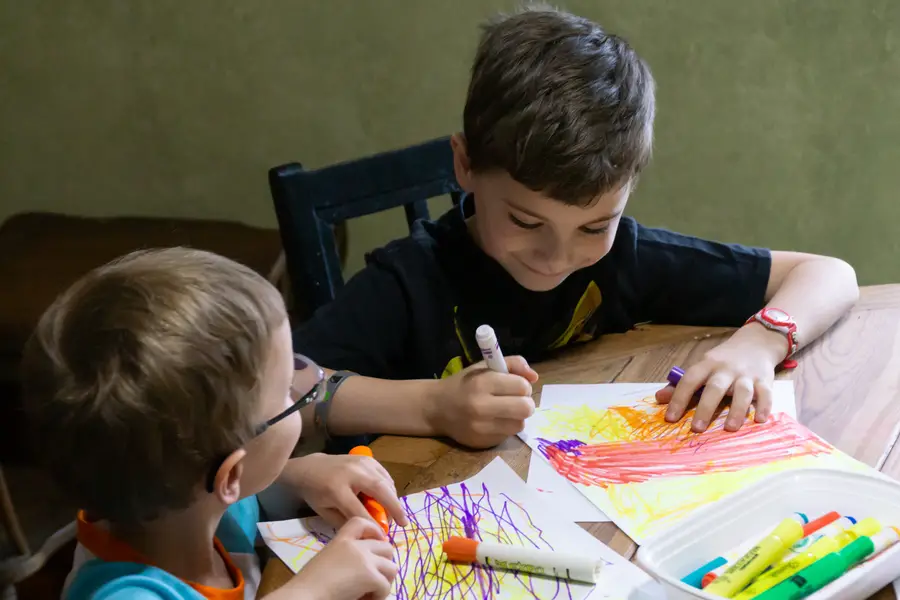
830,567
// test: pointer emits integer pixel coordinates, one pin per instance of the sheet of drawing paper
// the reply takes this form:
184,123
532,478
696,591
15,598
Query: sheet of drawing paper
495,505
612,443
544,478
558,491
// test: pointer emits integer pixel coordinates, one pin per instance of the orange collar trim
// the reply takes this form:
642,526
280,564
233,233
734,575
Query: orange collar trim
104,546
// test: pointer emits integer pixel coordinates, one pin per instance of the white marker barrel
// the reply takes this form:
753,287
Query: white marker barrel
884,539
490,349
539,562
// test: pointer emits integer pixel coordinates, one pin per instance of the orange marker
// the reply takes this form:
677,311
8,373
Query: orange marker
374,509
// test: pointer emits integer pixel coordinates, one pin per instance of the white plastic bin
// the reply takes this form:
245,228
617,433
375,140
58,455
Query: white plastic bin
721,526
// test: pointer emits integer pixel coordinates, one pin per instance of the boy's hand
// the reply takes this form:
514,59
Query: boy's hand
357,563
742,367
331,486
480,408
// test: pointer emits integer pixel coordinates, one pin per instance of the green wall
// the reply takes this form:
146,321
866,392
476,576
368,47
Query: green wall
779,120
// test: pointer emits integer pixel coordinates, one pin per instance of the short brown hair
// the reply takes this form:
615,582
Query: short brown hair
562,106
143,373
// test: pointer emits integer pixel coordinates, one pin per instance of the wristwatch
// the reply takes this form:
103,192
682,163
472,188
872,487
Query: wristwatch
320,418
775,319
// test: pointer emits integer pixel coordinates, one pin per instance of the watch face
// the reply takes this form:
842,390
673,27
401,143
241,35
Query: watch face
777,315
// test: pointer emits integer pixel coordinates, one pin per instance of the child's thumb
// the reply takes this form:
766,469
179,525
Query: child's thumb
517,365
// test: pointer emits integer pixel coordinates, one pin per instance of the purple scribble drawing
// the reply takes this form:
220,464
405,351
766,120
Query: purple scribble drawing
568,446
437,514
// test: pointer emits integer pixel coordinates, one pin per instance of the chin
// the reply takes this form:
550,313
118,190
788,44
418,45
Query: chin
537,283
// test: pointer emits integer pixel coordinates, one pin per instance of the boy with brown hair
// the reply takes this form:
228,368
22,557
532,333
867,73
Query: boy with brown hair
557,127
164,392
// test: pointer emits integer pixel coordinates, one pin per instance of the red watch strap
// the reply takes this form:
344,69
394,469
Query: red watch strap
787,328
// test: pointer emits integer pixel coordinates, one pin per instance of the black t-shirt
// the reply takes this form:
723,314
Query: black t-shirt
412,312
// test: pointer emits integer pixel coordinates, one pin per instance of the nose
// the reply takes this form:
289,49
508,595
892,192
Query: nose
556,253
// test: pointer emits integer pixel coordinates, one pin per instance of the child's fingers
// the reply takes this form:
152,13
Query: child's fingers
381,548
388,569
508,427
685,390
503,384
664,396
385,494
510,407
351,506
713,393
361,528
517,365
763,402
383,473
741,399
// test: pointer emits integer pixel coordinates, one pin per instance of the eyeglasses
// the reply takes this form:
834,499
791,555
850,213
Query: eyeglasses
308,376
312,378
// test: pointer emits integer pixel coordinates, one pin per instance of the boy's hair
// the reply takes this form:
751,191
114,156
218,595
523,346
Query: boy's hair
562,106
143,373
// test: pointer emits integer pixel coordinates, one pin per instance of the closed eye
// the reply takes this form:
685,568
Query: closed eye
595,231
520,223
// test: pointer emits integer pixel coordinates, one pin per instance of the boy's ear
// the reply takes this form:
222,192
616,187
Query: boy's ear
227,484
461,165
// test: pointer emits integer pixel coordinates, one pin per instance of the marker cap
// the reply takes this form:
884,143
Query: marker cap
485,335
675,375
868,527
361,451
460,549
789,530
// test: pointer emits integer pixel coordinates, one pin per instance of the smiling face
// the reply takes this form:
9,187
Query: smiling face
538,240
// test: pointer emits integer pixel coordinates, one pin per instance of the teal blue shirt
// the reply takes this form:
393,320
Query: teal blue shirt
104,570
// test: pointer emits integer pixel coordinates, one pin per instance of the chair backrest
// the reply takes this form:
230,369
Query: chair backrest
309,203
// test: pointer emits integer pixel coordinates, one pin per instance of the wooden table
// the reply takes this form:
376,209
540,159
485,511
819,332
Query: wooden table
847,389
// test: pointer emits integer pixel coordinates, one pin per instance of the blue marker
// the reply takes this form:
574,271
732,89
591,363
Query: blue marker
695,578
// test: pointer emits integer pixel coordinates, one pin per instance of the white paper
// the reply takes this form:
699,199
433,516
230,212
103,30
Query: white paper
617,394
598,396
556,490
502,508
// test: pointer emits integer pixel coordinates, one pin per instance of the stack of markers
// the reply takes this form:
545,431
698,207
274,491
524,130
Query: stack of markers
795,559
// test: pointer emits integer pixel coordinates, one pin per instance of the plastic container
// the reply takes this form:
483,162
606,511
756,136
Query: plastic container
724,524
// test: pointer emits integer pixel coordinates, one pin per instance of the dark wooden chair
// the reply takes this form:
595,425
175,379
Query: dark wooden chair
309,204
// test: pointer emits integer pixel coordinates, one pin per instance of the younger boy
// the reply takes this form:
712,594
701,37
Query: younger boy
557,127
164,393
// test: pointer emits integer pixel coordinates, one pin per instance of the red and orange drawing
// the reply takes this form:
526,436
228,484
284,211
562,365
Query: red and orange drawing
646,473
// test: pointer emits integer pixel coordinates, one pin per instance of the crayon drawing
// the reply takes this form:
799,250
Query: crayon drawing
646,473
494,506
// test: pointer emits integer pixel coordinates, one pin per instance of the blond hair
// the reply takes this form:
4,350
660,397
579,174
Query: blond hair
143,373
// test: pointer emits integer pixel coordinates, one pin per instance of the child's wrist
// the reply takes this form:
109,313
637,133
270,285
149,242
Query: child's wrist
435,401
300,587
772,344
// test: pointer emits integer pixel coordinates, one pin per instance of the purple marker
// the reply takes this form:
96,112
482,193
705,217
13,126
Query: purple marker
675,376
